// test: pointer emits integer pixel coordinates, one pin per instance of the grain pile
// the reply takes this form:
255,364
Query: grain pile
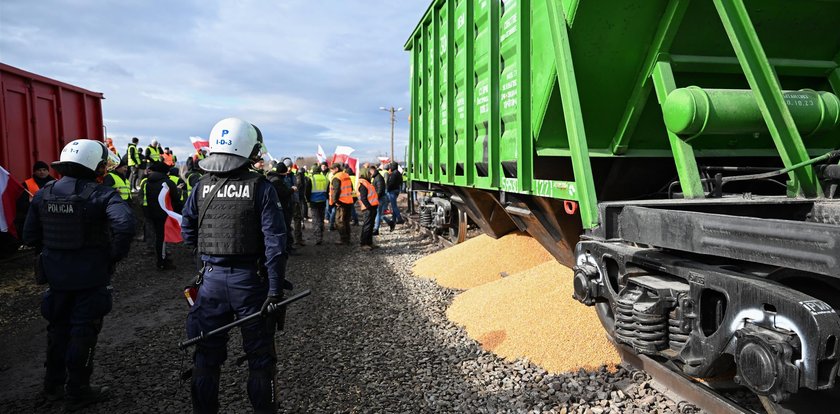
532,315
481,260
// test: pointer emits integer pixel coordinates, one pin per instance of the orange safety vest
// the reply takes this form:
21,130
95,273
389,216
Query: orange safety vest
373,198
167,159
346,192
31,186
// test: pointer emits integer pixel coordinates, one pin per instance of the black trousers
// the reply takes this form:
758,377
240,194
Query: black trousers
75,319
158,225
367,227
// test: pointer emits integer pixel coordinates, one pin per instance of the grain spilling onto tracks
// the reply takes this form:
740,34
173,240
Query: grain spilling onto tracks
481,260
532,315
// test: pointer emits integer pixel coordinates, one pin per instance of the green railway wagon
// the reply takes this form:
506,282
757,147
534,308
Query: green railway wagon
681,155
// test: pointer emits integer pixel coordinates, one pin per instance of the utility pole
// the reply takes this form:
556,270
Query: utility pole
393,111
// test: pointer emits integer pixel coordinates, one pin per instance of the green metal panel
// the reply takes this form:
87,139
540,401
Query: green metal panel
689,175
573,116
665,34
516,110
768,91
486,94
425,117
411,149
514,78
436,147
440,99
463,84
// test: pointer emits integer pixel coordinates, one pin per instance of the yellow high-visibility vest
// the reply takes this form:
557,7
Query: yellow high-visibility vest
121,186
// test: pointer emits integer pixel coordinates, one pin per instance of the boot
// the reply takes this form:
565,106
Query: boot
50,394
86,396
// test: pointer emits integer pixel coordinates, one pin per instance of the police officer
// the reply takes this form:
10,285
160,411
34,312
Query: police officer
81,229
233,218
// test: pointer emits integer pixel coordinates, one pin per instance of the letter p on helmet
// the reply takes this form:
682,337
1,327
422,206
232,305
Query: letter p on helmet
225,132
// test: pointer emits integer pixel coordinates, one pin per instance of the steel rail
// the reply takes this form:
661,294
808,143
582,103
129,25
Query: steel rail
681,385
414,224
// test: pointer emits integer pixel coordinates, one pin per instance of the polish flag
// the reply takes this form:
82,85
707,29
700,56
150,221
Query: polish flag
321,155
199,143
10,190
344,150
339,158
342,155
172,230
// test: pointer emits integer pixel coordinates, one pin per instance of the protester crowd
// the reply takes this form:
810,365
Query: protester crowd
244,218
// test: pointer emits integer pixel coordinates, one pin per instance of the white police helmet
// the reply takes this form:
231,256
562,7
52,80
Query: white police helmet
233,142
86,153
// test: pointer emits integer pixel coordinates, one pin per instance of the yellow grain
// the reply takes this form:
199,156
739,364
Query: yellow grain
481,260
532,315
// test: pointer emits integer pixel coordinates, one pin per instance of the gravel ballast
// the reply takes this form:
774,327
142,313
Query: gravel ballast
371,338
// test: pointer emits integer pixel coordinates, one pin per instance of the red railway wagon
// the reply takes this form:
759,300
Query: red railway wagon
39,115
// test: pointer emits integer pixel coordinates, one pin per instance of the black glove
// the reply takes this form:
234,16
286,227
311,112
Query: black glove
270,300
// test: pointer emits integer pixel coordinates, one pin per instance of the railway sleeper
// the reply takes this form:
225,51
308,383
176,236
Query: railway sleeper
708,316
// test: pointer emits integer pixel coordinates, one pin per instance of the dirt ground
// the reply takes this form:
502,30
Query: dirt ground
137,355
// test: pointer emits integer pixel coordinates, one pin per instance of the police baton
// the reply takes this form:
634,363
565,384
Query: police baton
271,309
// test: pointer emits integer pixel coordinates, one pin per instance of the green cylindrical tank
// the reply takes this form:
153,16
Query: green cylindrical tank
693,111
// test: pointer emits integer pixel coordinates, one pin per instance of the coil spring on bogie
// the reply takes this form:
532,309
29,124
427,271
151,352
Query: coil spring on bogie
426,216
653,333
625,331
645,332
676,338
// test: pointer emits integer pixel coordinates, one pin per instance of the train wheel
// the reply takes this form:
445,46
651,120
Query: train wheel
607,318
458,229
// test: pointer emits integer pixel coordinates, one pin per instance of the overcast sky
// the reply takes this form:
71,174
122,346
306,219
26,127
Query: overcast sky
307,72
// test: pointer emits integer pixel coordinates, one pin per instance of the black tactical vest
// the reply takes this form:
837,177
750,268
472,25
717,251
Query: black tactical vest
73,222
231,221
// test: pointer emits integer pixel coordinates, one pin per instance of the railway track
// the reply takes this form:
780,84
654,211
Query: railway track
691,395
412,221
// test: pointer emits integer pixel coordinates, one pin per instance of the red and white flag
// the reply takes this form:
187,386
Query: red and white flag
342,155
199,143
343,149
172,229
10,191
321,155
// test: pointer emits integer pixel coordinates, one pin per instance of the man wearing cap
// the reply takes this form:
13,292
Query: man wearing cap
168,158
135,163
40,177
118,180
155,215
154,152
277,178
318,200
341,197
